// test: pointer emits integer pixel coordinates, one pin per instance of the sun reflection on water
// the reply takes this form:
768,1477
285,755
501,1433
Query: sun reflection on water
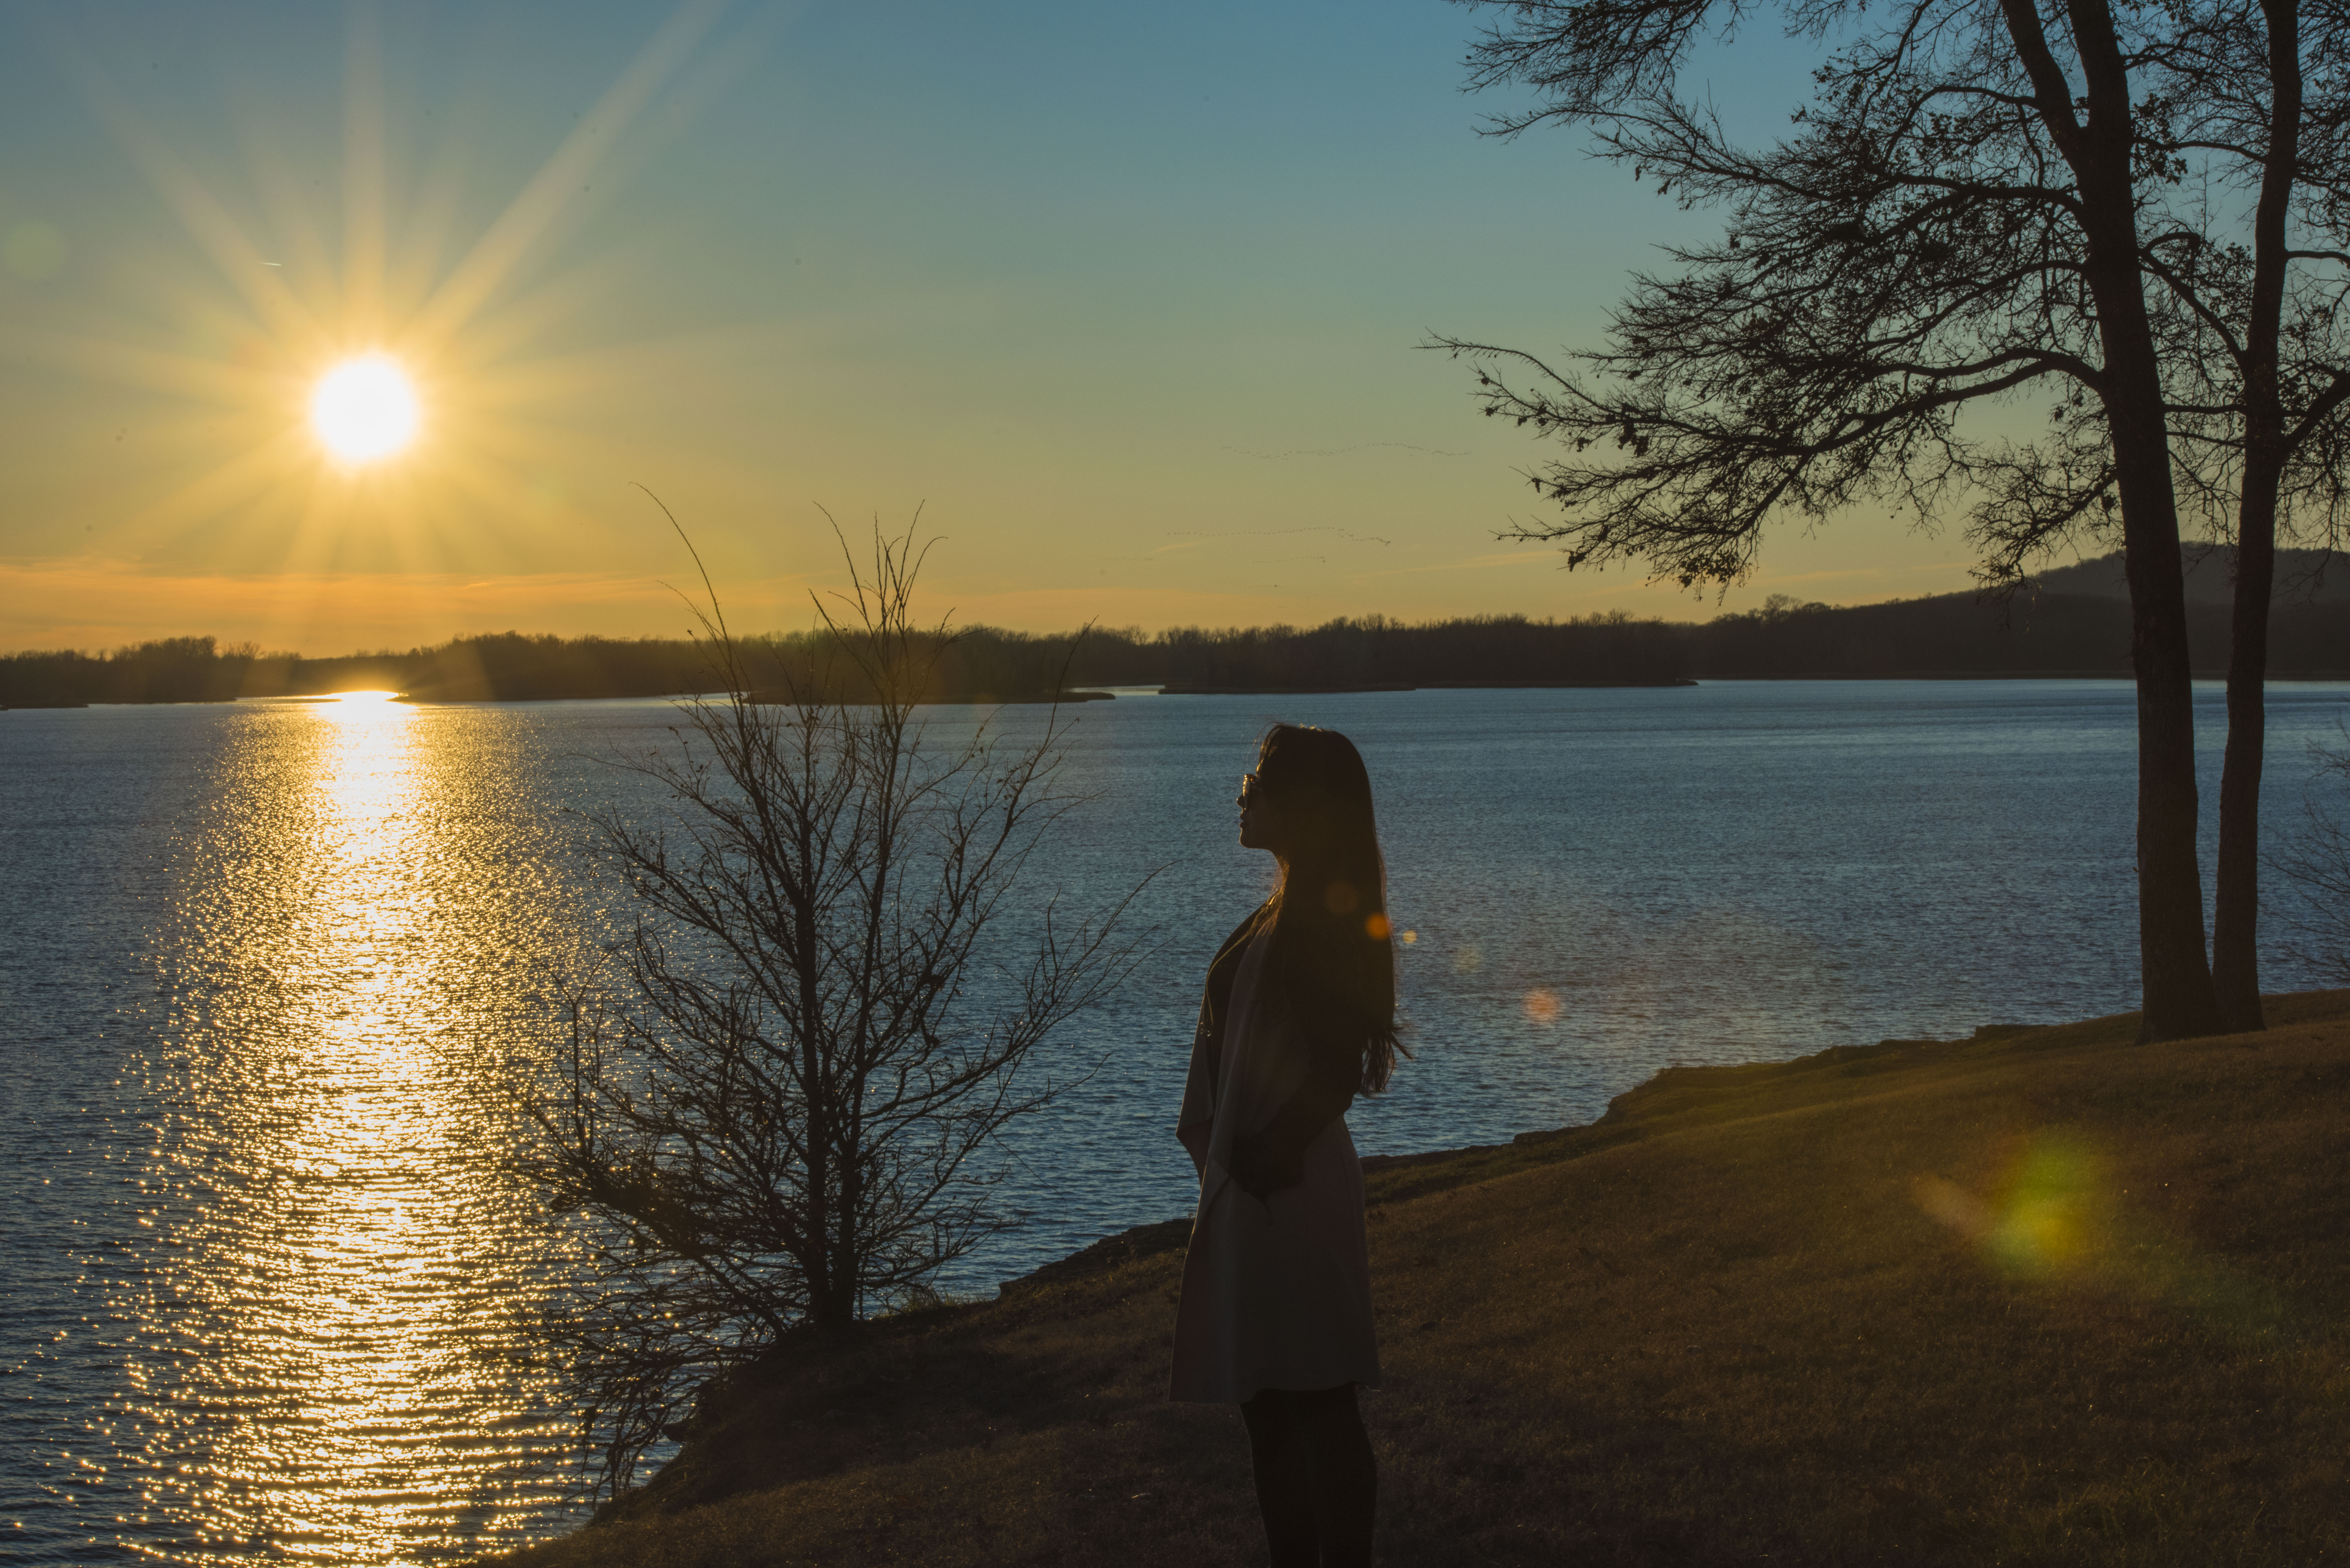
350,1283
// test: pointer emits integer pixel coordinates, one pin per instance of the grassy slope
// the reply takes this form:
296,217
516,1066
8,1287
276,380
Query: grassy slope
2051,1298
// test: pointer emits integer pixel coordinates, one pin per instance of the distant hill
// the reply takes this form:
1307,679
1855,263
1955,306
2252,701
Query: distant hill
2074,621
1958,635
2302,577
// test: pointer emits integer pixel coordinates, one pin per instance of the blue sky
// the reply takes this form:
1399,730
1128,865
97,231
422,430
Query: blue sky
1124,298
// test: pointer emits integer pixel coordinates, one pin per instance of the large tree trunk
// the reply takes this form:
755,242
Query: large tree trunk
2235,930
2175,977
2175,980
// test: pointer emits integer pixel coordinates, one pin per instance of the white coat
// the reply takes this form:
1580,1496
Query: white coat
1277,1291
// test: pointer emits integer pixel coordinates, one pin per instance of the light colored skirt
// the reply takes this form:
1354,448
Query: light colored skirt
1277,1293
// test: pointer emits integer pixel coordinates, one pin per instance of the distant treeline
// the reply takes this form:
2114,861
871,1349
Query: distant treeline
504,665
1607,649
2082,630
983,663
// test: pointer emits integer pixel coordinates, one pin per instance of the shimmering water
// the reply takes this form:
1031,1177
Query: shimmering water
267,1005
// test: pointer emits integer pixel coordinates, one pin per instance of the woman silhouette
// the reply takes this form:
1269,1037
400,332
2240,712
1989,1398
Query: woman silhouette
1298,1018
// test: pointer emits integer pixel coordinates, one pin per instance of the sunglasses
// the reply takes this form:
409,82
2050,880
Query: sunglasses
1250,786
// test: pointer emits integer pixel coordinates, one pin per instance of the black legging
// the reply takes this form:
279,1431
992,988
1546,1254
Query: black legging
1314,1478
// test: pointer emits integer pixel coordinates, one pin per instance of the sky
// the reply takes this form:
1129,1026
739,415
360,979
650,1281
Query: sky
1125,303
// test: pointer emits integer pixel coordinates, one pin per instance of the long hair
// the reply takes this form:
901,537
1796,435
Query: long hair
1332,946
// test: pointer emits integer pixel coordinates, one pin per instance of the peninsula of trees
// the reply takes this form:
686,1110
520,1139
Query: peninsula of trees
2074,621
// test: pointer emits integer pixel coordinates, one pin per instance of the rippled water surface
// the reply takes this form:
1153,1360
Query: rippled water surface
266,997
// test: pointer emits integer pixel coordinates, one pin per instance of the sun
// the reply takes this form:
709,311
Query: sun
365,409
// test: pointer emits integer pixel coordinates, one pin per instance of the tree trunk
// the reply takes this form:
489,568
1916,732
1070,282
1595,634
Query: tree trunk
2175,977
2235,929
2235,953
2175,980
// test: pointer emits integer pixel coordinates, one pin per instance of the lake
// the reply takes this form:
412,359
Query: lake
269,996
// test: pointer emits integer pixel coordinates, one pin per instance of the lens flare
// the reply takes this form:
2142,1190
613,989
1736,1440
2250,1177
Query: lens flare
365,409
2049,1217
1541,1005
2057,1216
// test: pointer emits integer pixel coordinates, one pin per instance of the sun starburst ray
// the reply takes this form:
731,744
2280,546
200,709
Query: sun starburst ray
565,175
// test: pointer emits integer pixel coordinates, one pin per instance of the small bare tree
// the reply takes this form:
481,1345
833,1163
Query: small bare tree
824,1013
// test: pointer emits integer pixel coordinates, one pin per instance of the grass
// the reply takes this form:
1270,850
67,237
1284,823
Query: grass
2051,1297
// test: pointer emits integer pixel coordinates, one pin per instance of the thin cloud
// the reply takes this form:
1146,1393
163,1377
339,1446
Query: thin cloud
1343,451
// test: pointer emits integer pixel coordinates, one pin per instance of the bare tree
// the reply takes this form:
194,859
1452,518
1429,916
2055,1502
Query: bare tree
827,1009
1981,202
